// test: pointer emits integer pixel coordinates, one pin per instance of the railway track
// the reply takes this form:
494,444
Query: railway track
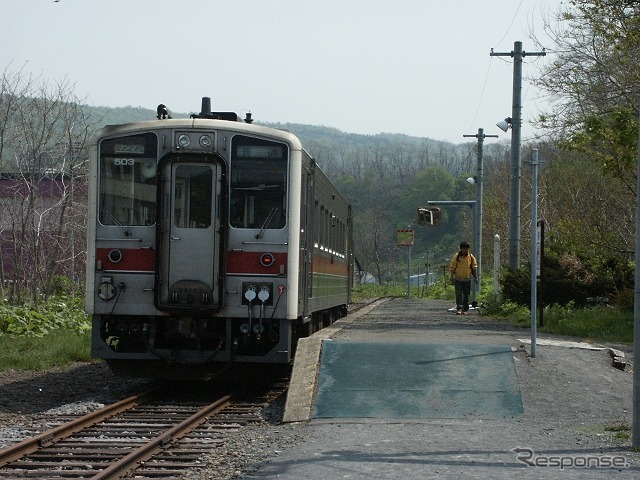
156,434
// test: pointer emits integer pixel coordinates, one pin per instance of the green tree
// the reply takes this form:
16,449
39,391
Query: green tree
610,140
594,68
593,81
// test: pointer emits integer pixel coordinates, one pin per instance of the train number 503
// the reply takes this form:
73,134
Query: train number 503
124,161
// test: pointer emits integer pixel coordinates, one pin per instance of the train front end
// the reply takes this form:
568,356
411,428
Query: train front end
190,226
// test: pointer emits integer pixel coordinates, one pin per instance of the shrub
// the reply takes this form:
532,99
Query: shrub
624,299
58,313
568,279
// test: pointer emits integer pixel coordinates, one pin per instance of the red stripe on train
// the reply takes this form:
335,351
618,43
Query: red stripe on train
249,263
132,259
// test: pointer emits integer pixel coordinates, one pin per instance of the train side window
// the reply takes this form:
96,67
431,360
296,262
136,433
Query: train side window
258,170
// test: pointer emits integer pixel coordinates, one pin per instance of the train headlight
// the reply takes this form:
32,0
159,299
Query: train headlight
205,141
184,141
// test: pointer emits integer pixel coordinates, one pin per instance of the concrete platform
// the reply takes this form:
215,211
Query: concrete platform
416,380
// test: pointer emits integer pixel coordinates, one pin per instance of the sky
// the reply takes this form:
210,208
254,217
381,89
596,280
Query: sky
416,67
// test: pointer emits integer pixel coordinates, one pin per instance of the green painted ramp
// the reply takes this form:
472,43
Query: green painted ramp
409,380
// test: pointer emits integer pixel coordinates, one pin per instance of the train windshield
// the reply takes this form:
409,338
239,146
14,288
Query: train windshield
258,183
128,180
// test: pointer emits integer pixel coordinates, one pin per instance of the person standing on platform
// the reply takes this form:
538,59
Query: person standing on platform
463,267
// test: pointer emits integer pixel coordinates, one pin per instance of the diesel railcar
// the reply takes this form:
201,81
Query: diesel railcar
210,240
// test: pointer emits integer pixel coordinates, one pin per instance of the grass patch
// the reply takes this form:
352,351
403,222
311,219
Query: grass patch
598,323
31,353
37,337
621,431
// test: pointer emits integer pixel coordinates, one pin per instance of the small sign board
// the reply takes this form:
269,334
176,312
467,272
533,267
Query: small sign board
404,238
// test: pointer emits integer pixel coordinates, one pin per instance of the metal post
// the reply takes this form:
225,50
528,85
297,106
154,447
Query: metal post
534,248
635,437
409,273
474,285
541,276
496,267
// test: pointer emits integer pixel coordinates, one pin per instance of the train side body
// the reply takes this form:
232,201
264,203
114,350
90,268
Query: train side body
209,241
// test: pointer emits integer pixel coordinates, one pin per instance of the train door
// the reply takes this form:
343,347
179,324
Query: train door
189,248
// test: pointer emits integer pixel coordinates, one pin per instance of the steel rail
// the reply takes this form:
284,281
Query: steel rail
44,439
148,450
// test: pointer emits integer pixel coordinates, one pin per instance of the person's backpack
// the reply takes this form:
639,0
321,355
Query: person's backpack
469,261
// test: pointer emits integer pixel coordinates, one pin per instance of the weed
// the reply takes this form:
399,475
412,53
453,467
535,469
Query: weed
621,431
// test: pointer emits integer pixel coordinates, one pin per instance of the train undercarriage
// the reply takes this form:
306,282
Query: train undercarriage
164,346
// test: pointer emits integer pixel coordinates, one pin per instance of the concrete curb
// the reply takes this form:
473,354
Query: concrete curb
304,377
617,357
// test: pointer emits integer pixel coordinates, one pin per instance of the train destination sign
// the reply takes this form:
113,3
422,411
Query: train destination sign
258,151
123,148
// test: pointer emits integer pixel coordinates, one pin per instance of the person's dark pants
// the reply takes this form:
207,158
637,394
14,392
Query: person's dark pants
463,289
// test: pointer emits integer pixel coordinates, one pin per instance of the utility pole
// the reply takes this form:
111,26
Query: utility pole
477,229
534,249
516,139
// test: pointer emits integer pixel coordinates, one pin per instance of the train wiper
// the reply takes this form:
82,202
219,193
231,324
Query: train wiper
258,188
127,233
272,214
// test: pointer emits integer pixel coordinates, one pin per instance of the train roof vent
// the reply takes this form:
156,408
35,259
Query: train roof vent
205,112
